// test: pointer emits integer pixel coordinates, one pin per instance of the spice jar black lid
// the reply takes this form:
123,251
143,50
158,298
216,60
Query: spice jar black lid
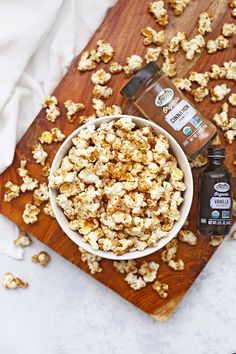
140,79
215,152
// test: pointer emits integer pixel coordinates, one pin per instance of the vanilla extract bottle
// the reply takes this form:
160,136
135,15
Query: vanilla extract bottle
215,195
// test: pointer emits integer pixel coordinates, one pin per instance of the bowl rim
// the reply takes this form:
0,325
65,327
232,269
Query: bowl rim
76,237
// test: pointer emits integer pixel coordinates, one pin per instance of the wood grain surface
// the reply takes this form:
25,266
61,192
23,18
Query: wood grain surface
121,28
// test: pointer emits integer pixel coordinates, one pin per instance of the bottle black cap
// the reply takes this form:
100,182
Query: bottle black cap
216,152
140,79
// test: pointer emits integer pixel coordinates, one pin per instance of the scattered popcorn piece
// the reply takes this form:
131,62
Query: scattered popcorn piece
84,119
219,92
183,84
12,191
217,72
200,93
115,68
104,52
87,61
91,260
48,210
52,111
232,99
230,134
10,282
216,141
188,237
204,24
193,46
102,109
176,265
229,29
221,119
230,70
54,136
29,184
152,36
134,63
22,239
135,282
41,194
169,64
152,54
199,161
148,270
201,78
42,258
72,109
161,288
102,91
160,14
219,43
100,77
232,4
216,240
22,171
178,6
46,170
39,154
175,41
30,214
170,251
129,266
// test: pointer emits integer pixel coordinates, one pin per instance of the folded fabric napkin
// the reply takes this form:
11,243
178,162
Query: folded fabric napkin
38,40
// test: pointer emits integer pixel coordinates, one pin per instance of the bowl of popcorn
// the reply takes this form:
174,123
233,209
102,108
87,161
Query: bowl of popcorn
120,187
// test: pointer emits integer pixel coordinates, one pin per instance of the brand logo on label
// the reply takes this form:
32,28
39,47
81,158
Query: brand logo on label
187,130
221,187
215,214
164,97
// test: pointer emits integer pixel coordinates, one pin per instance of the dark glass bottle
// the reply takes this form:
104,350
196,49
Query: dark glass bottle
215,191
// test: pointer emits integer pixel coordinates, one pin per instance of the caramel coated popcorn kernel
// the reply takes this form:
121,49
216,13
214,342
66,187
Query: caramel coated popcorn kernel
10,282
12,191
204,24
30,214
100,77
178,6
160,14
151,36
219,92
39,154
161,288
134,63
115,68
188,237
72,109
152,54
91,260
22,239
216,240
52,111
42,258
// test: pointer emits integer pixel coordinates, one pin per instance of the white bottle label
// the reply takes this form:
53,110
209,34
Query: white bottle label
220,202
180,115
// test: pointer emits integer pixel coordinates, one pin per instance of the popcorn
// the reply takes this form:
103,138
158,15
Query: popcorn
46,170
169,65
135,282
175,41
152,36
229,29
48,210
219,43
115,68
42,258
178,6
204,24
219,92
12,191
100,77
201,78
200,93
152,54
199,161
29,184
232,99
217,72
221,119
193,46
84,119
10,282
216,240
30,214
148,270
230,69
102,91
52,111
129,266
104,52
72,109
160,14
176,265
232,4
169,253
134,63
39,154
91,260
183,84
161,288
22,239
54,136
103,110
119,191
22,171
86,61
188,237
41,194
230,134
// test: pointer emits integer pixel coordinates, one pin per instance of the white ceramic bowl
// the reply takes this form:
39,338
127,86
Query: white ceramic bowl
184,209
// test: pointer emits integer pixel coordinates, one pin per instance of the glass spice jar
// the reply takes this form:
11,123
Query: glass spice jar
158,99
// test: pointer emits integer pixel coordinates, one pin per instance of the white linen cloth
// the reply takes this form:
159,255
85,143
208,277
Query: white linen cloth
38,40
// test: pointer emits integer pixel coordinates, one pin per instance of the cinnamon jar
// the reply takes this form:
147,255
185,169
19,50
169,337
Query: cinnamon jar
158,99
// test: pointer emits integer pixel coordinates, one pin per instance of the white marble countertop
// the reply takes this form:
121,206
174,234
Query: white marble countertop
66,311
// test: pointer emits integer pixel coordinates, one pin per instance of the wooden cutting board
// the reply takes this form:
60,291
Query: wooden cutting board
122,28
